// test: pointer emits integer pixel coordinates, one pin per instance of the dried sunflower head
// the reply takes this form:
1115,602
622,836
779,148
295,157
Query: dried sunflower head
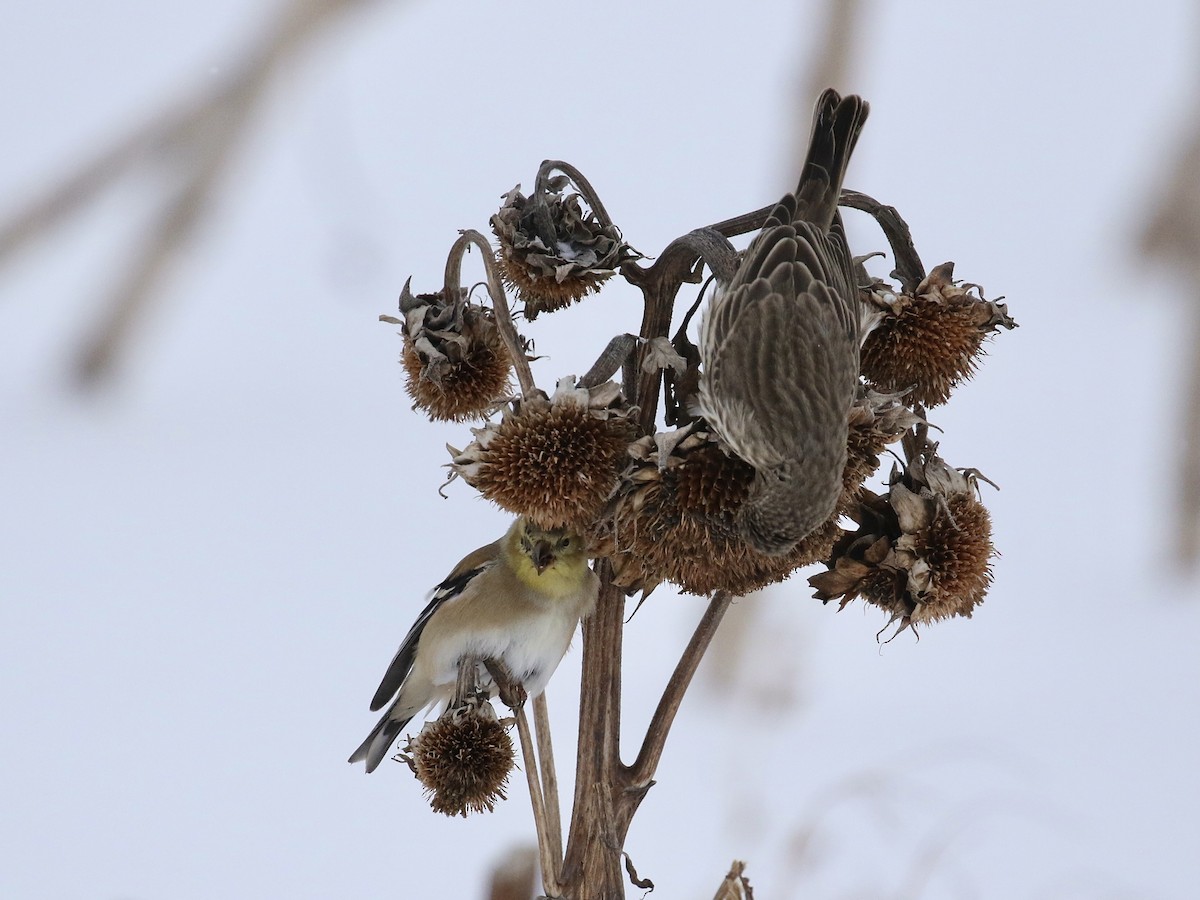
555,460
876,420
925,344
673,518
462,759
553,252
922,551
455,358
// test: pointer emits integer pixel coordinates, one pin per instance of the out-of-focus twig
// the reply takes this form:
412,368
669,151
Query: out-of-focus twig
198,136
515,876
1172,235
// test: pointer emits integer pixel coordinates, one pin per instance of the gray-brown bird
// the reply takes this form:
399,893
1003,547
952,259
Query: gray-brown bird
779,346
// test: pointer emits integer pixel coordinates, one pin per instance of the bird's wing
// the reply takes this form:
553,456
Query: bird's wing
471,566
781,340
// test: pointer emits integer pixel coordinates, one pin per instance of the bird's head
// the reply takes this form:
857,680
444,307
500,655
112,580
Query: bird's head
545,558
783,508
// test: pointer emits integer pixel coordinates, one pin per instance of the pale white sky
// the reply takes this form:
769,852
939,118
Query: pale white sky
205,570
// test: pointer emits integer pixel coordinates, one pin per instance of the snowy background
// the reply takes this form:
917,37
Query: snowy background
206,564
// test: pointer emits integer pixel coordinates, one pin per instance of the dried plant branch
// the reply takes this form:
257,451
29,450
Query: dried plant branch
909,270
642,771
550,864
545,750
499,300
588,859
612,358
660,284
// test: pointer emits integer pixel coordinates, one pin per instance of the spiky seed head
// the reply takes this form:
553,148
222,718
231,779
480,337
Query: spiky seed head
923,551
931,341
674,518
463,760
553,460
456,361
552,251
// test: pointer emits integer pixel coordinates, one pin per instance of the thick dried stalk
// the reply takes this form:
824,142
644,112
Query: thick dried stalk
592,867
660,284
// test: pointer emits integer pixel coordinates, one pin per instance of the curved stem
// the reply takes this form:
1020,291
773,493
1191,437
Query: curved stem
909,269
642,770
584,186
660,285
499,300
610,360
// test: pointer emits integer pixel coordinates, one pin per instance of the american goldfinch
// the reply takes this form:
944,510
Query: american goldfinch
516,600
779,346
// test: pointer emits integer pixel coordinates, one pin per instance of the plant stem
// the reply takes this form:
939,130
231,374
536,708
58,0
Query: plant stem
642,771
545,750
499,301
549,863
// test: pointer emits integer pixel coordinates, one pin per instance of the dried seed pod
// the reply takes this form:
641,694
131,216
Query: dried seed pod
923,551
673,518
552,251
457,364
554,460
925,344
876,420
463,759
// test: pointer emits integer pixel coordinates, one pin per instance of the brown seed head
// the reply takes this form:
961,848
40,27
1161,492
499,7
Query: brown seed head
457,364
555,461
553,252
463,760
932,341
923,551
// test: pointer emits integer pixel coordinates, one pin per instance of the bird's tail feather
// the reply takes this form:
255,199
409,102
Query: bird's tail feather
379,742
837,123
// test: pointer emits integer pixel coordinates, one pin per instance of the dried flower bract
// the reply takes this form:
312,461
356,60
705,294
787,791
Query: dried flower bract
463,759
923,551
553,252
924,345
457,364
554,460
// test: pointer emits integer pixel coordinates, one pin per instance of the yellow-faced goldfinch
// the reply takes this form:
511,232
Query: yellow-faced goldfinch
779,346
517,600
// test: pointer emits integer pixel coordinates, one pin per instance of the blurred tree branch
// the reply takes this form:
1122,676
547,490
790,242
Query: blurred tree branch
1172,235
198,136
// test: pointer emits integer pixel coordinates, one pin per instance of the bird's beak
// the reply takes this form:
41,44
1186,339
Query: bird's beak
542,556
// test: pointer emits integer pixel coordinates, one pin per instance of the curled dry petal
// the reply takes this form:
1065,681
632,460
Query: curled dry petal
553,251
455,358
923,550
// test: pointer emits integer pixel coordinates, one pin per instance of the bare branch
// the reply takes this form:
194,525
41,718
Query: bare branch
643,768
